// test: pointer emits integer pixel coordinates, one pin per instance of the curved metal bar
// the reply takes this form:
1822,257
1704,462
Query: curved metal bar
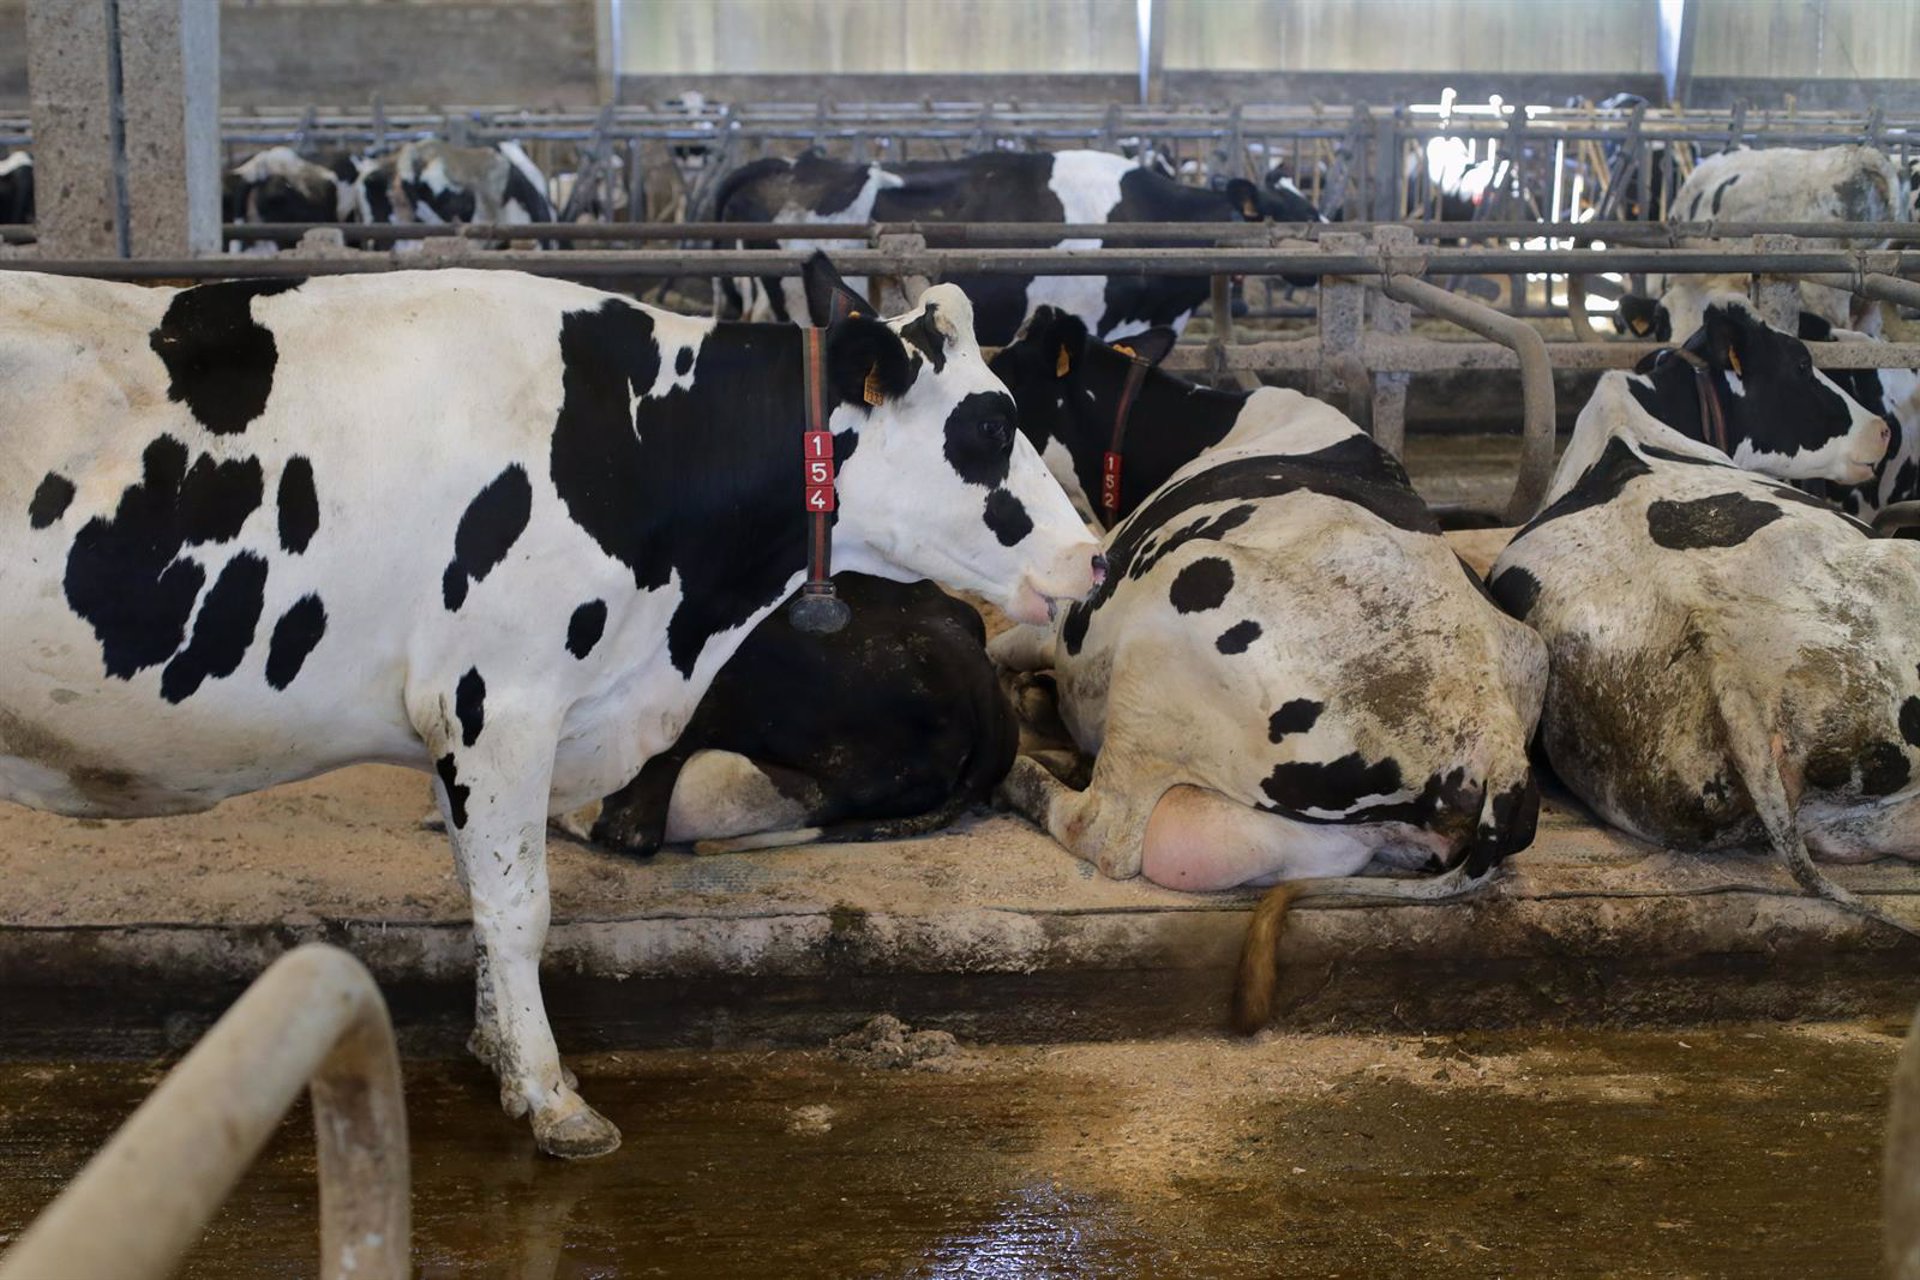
1536,378
314,1017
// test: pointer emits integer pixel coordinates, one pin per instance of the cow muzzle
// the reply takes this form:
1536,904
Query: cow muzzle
1037,598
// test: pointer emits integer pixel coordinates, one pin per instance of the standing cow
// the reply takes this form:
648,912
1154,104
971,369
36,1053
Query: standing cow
515,557
1004,186
1730,657
1286,674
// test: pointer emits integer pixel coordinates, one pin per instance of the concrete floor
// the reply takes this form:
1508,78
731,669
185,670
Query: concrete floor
1734,1151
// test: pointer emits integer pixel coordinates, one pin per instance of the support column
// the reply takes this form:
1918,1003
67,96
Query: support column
126,106
73,129
170,70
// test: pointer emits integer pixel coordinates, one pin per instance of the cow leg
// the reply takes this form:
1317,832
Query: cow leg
494,795
1865,835
634,818
721,794
1103,824
1200,840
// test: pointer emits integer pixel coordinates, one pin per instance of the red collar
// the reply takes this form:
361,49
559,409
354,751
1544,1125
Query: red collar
1713,419
817,609
1111,463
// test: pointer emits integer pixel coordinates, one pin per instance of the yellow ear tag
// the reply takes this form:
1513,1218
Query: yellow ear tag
1639,325
1061,365
872,392
1126,351
1250,210
1733,358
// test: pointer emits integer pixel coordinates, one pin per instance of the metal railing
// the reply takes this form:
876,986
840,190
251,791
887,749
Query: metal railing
313,1019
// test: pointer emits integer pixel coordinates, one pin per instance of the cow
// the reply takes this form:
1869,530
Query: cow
278,185
1894,396
888,728
1782,184
16,188
1285,675
1730,657
436,182
1752,392
514,558
1002,186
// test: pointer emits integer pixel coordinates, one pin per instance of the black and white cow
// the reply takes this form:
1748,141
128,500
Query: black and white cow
16,187
1777,413
1731,658
279,185
1003,186
1287,674
515,557
1780,184
887,728
1892,394
436,182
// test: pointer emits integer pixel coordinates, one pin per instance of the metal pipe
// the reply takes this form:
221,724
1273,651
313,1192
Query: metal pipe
942,263
1536,378
314,1017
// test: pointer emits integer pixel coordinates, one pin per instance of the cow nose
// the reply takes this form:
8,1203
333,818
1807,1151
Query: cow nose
1886,434
1099,568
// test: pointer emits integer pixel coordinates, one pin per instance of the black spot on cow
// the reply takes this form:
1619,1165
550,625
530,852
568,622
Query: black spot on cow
683,363
1296,716
924,334
50,500
1718,520
299,505
1337,786
1007,517
585,627
698,484
294,637
489,527
1598,485
1516,817
1720,192
470,705
1884,769
1910,721
1516,590
219,360
1238,637
456,793
1201,585
223,631
979,437
125,574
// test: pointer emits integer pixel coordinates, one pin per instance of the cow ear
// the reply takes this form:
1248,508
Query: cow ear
1245,197
1639,317
1150,348
829,300
1815,328
867,363
1061,338
1723,334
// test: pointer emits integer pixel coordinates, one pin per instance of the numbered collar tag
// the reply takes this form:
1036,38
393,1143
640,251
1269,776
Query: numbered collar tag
817,458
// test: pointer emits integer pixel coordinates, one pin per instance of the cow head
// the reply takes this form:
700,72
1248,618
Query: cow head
1642,317
940,483
1277,199
1783,416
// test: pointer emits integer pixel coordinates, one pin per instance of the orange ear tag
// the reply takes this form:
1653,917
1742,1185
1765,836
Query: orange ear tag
1733,358
1061,365
1639,326
1126,351
872,392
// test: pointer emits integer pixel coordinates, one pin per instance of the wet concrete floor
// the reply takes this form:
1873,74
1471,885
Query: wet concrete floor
1731,1151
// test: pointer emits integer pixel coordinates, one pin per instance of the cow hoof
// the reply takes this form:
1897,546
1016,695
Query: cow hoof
578,1133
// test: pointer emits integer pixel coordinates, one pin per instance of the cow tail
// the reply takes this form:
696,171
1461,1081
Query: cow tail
859,832
1259,971
1758,751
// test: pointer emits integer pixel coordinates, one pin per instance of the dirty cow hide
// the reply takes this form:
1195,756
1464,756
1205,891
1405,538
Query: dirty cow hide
1730,658
1287,674
885,729
514,559
1002,186
1780,184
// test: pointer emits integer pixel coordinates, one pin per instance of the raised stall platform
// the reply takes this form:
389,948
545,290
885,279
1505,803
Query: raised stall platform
123,937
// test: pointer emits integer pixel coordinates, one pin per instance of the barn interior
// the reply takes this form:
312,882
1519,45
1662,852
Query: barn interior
963,1050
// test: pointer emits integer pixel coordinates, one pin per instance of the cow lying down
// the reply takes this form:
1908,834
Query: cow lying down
1285,676
1730,657
888,728
516,560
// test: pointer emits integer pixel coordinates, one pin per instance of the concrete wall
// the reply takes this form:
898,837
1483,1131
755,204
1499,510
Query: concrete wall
282,52
1798,40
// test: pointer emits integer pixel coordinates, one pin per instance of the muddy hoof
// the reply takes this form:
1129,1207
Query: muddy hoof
579,1135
